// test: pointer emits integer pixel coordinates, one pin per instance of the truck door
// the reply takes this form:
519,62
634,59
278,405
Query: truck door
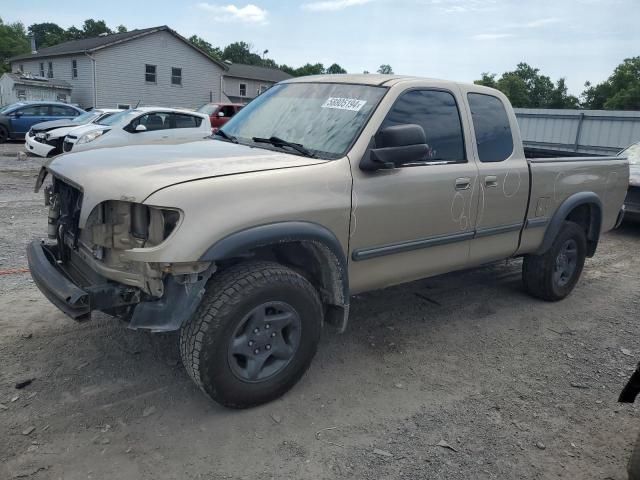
416,220
503,178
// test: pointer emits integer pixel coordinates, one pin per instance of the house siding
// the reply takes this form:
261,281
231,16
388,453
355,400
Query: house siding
232,86
82,86
121,73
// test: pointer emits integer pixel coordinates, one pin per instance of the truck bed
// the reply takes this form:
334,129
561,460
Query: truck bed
554,179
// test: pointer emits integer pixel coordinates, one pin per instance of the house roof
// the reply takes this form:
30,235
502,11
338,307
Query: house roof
92,44
254,72
34,81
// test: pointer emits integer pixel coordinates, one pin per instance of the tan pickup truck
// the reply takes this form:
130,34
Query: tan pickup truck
321,188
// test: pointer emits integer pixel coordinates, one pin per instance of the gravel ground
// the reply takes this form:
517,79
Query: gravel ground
514,387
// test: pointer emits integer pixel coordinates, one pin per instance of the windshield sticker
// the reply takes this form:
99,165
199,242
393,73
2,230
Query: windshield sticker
352,104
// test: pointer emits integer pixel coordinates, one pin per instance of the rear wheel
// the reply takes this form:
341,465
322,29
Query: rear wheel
4,134
254,334
553,275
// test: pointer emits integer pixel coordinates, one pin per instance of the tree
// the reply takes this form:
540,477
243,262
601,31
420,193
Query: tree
335,68
560,97
205,46
13,41
121,29
621,91
526,87
47,34
487,80
385,69
93,28
240,52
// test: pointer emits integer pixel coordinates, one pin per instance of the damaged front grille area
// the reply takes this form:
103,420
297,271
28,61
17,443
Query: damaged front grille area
65,202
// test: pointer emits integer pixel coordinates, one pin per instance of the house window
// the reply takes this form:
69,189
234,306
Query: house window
50,70
124,106
61,97
176,76
262,89
41,69
243,89
21,68
74,68
21,94
150,73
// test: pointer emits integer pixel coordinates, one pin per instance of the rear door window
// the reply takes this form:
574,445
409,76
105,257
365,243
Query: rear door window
491,125
62,111
437,113
178,120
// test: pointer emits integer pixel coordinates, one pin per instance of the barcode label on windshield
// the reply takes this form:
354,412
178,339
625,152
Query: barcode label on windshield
352,104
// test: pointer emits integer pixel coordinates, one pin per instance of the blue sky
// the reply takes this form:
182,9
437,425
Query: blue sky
452,39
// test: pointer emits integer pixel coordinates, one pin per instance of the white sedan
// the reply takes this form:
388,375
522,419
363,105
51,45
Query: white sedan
140,126
44,139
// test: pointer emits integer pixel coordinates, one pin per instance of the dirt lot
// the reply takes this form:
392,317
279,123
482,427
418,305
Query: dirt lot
517,387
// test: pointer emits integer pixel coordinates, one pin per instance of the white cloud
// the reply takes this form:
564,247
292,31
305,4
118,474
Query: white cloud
231,13
540,22
333,5
492,36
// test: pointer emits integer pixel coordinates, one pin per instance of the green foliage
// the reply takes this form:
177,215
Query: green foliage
240,52
621,91
335,68
205,46
527,88
121,29
13,41
385,69
47,34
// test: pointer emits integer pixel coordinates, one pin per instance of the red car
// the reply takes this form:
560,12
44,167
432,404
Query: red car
220,113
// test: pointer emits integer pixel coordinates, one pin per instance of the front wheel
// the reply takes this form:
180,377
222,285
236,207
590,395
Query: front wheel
254,334
553,275
4,134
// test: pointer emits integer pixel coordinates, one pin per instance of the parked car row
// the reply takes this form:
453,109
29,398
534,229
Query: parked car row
44,139
51,128
139,126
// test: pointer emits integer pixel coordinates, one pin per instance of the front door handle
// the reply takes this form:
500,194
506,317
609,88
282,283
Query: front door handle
463,183
491,181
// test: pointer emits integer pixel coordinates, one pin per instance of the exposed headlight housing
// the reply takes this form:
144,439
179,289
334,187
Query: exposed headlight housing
91,136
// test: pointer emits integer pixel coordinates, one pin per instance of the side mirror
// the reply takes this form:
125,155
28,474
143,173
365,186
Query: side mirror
141,128
221,114
17,114
396,146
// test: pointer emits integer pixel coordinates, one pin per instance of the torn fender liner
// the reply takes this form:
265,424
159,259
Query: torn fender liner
177,304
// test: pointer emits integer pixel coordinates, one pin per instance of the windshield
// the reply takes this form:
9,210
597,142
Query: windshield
632,153
122,117
85,117
325,118
9,106
208,108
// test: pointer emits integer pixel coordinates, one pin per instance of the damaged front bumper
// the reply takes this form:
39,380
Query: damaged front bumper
77,296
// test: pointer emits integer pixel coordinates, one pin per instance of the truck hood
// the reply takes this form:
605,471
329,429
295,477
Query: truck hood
133,173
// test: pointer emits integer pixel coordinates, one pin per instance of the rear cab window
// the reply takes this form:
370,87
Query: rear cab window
491,126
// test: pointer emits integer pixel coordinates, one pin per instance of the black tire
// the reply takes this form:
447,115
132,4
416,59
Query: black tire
633,467
212,342
4,134
551,276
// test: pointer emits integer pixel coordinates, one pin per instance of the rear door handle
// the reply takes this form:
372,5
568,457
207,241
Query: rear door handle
491,181
463,183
